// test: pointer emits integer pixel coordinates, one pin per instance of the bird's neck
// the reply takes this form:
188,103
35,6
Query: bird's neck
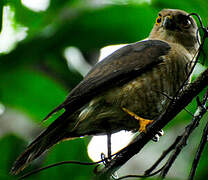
191,45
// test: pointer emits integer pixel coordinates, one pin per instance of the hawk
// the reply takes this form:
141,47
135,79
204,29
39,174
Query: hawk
125,91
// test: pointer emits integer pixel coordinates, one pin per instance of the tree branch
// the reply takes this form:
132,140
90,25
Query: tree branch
201,110
173,109
199,152
164,154
180,140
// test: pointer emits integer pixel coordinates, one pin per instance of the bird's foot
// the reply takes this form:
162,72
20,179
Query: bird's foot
142,122
156,138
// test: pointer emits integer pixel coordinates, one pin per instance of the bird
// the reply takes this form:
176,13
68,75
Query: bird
124,91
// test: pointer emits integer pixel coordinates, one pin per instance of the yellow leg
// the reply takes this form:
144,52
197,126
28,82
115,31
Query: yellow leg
142,122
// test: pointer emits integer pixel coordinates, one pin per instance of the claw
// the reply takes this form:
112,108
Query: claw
156,138
160,133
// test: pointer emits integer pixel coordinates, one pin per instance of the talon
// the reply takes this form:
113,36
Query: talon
160,133
142,122
156,138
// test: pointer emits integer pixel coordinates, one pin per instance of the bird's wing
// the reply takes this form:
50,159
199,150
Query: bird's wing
118,68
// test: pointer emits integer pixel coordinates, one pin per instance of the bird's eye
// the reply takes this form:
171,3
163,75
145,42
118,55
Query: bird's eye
186,23
158,20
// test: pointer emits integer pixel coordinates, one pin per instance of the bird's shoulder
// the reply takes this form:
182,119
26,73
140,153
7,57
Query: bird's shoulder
178,53
132,54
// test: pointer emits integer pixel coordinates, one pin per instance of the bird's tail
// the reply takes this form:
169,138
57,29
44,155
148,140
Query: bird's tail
56,132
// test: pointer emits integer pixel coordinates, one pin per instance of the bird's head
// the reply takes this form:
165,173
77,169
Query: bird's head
176,26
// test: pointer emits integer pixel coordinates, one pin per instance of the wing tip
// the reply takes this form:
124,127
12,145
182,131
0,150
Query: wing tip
53,111
21,163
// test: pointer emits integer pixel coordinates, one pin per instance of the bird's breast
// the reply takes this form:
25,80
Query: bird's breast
149,94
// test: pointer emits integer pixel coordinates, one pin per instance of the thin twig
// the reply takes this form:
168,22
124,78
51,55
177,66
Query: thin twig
164,154
201,110
196,58
199,18
189,112
58,164
141,176
103,160
199,152
171,98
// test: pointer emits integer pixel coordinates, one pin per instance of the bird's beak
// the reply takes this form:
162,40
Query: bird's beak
168,23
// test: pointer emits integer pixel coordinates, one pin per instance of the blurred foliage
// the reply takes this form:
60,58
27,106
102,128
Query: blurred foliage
10,147
1,13
34,76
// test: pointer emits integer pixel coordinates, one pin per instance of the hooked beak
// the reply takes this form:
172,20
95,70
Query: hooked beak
168,23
